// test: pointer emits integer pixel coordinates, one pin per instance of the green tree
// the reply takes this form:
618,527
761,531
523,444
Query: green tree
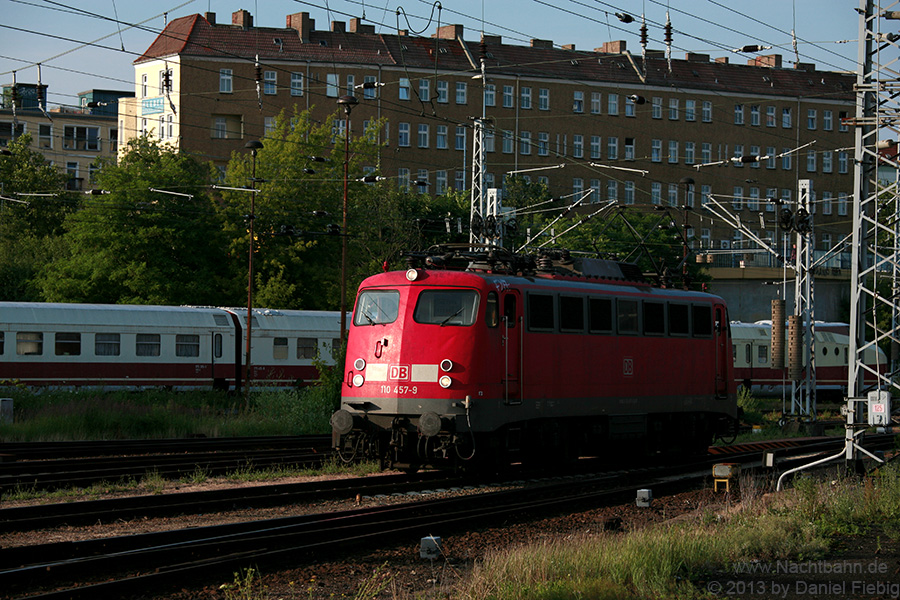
135,245
32,209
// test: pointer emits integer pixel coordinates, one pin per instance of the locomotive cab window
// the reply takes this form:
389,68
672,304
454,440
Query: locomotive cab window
540,312
446,307
679,325
654,318
68,344
600,315
492,310
377,307
627,316
702,320
571,314
29,343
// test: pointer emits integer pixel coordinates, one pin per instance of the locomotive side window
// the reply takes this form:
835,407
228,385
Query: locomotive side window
679,325
627,316
306,347
492,310
147,344
279,348
654,318
107,344
600,315
187,345
571,313
509,310
29,343
446,307
702,320
68,344
540,312
377,307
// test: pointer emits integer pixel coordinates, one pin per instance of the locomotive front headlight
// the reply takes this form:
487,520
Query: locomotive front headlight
359,364
412,275
358,380
445,381
446,365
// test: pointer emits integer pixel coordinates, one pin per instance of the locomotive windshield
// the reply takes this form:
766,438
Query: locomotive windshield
377,307
447,307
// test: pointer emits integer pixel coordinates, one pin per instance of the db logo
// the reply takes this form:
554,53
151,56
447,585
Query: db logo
628,367
398,372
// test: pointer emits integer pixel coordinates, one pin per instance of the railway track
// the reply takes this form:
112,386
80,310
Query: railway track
49,466
124,566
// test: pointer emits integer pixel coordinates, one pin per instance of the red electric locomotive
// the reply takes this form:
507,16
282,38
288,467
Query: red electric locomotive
521,360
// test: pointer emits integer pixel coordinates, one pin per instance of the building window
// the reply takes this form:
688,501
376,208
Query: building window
656,151
440,182
629,192
544,99
754,151
422,181
460,138
577,186
612,104
595,191
842,204
403,179
706,152
269,126
297,85
827,120
690,110
423,135
270,83
543,143
754,115
369,87
81,138
403,135
525,98
629,106
144,83
738,153
753,200
811,118
461,92
489,141
673,194
673,151
443,92
524,142
333,85
738,114
424,90
706,111
508,142
827,161
596,142
656,193
826,203
770,157
577,146
629,148
656,108
441,141
45,135
612,190
508,96
771,197
351,85
404,89
843,161
786,118
786,159
596,103
578,101
689,153
673,109
737,199
770,116
459,179
612,148
811,161
843,127
490,95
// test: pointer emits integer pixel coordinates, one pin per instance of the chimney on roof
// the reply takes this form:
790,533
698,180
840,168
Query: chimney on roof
242,18
568,46
210,18
449,32
695,57
491,40
356,26
770,60
302,23
810,67
536,43
616,47
338,27
722,60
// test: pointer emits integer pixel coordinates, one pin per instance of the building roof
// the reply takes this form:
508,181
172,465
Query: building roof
196,36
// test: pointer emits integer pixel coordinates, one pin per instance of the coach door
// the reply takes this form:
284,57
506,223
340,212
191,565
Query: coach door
720,331
511,324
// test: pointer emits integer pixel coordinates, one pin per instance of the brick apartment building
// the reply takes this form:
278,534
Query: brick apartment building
653,119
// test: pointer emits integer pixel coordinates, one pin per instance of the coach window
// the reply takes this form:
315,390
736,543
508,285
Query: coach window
107,344
1,342
679,325
762,355
446,307
217,345
29,343
600,315
571,314
492,310
540,312
280,348
748,354
68,344
306,347
147,344
627,316
654,318
701,318
377,307
187,345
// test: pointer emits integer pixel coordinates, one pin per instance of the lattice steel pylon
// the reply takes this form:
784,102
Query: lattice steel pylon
875,252
803,388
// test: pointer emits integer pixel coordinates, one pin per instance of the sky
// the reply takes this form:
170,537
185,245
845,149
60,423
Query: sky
91,44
